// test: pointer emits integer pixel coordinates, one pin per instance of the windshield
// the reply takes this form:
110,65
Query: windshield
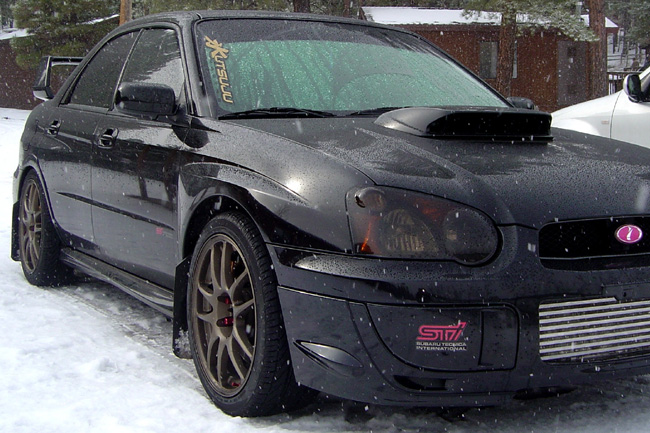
328,67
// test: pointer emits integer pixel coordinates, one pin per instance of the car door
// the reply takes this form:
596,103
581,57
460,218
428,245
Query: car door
66,147
631,120
135,170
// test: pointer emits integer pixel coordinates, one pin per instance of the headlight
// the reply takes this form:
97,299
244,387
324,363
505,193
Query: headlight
387,222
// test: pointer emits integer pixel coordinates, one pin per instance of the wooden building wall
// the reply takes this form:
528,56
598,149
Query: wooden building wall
15,83
537,59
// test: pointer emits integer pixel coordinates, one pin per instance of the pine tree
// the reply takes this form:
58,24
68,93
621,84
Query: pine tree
144,7
639,32
60,27
6,16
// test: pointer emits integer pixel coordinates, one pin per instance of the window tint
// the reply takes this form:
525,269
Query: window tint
156,59
99,79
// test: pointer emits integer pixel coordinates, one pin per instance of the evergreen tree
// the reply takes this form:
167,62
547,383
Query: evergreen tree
145,7
60,27
6,16
639,31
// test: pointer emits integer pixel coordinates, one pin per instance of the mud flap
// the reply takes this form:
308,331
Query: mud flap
180,341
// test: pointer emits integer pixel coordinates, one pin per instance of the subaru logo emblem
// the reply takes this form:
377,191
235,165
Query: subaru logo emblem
629,234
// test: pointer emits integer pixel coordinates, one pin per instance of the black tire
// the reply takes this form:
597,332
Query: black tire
236,330
39,244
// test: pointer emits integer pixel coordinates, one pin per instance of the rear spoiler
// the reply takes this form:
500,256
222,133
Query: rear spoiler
42,87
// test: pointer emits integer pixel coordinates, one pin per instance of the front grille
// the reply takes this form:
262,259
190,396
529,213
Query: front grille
597,329
591,239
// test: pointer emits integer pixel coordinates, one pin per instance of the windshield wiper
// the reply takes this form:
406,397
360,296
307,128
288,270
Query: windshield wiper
280,112
373,111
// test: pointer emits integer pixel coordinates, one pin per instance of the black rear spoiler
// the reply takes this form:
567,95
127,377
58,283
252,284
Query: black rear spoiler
42,87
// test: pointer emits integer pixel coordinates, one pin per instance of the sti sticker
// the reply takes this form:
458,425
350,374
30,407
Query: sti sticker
441,338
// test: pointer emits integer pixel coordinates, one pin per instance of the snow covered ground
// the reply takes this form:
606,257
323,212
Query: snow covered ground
88,358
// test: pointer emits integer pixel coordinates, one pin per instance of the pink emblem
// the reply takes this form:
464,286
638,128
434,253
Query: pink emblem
629,234
441,333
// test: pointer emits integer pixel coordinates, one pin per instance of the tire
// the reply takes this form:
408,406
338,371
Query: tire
236,330
39,244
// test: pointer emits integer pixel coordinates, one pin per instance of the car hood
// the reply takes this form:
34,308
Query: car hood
515,182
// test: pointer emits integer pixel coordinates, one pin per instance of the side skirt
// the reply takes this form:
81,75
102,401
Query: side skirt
157,297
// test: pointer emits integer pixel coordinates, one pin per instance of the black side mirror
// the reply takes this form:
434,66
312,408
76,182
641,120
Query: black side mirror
519,102
146,99
632,86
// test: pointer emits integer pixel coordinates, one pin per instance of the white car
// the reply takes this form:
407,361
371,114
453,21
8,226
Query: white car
624,116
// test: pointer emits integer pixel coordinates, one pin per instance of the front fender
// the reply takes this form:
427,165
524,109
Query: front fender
584,127
282,216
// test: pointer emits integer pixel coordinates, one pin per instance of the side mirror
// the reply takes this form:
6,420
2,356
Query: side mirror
146,99
632,86
525,103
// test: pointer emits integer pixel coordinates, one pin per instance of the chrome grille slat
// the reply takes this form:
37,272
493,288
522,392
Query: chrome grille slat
585,310
599,353
589,343
579,325
565,304
596,329
594,334
589,313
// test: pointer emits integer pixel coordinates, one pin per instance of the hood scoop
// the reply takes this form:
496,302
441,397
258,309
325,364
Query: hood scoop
469,123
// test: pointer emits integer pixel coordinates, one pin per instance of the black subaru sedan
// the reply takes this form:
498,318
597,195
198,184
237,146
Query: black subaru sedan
330,205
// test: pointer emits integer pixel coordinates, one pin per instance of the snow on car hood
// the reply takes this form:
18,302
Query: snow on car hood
524,183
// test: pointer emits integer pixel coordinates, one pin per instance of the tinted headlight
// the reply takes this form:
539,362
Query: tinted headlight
387,222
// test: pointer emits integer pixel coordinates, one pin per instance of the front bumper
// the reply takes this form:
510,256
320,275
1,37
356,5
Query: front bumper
423,334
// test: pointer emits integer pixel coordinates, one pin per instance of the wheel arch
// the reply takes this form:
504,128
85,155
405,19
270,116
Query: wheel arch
23,172
201,214
205,211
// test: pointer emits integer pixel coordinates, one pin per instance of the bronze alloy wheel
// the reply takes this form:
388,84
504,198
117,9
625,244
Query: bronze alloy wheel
236,330
39,245
224,308
30,225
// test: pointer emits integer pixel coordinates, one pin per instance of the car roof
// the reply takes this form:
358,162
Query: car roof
188,17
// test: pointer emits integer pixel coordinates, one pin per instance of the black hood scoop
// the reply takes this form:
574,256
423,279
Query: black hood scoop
494,124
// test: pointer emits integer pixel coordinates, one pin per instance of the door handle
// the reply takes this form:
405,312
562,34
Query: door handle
107,139
54,127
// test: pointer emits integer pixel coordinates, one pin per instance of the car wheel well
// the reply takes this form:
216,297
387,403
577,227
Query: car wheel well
15,254
206,211
21,184
23,175
38,242
202,215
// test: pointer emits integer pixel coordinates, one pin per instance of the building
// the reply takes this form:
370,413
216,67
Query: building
549,68
15,83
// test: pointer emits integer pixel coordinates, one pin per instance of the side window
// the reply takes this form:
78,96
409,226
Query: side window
97,83
645,87
156,59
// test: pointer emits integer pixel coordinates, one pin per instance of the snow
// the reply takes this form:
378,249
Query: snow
88,358
406,15
9,33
